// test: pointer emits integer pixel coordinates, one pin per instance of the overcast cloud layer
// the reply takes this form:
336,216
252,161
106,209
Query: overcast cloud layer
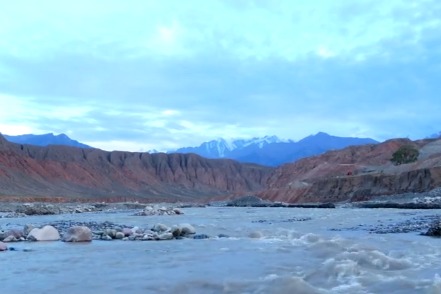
139,75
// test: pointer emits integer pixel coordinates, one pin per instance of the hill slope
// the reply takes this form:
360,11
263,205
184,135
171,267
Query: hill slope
69,172
356,173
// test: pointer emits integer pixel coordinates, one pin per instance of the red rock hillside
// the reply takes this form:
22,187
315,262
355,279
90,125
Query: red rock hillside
356,173
62,173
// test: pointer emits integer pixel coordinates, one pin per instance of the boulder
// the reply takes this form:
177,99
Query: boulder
27,229
176,231
127,232
187,229
3,235
3,246
119,235
149,235
165,236
78,234
434,230
111,233
10,238
47,233
160,228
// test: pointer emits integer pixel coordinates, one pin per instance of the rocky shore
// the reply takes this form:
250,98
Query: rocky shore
13,210
69,231
254,201
426,200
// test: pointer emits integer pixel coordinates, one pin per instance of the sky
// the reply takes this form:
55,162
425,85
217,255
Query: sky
140,75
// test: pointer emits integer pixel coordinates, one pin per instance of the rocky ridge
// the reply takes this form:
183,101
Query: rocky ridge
356,173
63,173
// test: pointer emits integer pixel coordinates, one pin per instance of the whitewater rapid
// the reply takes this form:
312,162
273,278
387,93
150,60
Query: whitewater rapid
341,250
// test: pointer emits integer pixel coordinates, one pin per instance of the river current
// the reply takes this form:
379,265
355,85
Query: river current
298,251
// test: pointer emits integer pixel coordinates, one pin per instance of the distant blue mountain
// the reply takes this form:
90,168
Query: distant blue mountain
45,140
272,151
435,136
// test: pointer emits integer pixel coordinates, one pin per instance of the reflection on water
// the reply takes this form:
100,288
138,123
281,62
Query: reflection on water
300,251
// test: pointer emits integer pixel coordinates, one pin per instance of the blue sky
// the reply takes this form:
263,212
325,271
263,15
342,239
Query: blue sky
140,75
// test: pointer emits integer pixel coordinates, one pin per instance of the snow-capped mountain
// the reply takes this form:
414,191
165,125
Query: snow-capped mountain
222,148
272,151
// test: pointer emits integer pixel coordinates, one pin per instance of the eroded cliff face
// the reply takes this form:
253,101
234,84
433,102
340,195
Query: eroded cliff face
74,173
61,173
356,173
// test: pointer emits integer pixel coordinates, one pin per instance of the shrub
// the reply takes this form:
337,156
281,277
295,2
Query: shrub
405,154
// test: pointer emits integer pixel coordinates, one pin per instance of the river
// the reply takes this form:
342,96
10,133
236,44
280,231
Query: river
298,251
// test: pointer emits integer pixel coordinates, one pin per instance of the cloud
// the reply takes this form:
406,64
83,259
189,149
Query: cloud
162,75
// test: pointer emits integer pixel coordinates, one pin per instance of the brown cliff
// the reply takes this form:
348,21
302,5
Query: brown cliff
356,173
69,173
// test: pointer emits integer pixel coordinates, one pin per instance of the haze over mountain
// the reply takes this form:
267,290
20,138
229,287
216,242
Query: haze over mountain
271,150
45,140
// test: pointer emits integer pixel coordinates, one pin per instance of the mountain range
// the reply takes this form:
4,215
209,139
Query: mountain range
45,140
268,150
65,173
272,151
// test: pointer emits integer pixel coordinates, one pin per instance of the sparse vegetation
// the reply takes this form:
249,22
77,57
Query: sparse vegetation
405,154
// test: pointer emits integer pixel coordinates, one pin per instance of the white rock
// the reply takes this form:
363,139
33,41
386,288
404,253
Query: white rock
47,233
187,229
3,246
166,236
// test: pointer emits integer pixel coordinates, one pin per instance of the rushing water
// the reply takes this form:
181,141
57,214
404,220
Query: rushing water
300,251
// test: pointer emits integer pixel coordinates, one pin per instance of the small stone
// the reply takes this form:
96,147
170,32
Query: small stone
255,235
150,236
177,211
201,236
106,237
223,236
